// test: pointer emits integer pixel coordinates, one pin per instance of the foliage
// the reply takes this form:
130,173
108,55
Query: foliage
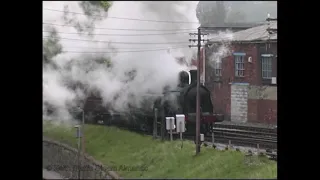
104,4
51,46
91,7
235,17
219,12
211,12
94,10
104,60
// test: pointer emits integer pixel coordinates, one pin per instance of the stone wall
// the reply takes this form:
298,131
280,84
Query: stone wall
63,159
239,102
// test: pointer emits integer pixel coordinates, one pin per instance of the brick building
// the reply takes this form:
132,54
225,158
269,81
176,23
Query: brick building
243,82
211,29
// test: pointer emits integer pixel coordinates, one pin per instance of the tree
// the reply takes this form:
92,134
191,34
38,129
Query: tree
51,46
236,17
92,7
211,12
104,60
94,10
250,11
220,12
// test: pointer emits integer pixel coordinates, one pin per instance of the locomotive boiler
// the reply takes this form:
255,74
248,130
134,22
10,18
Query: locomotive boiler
185,103
172,102
179,100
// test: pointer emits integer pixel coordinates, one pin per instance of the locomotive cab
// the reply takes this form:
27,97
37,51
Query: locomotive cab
206,107
183,101
193,76
184,78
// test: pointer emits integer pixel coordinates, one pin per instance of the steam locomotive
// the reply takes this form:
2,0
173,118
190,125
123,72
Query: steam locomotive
181,100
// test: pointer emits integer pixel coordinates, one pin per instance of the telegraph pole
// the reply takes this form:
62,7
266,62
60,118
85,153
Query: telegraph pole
271,30
198,88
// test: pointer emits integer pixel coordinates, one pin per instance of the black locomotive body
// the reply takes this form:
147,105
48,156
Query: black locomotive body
186,94
181,100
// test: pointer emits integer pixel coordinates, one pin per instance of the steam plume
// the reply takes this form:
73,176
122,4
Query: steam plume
154,69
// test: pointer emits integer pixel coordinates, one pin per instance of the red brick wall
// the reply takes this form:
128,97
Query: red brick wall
221,98
221,92
262,111
250,74
253,110
267,111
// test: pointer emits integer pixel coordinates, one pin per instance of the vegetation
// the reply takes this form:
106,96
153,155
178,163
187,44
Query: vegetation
51,45
91,7
105,5
115,147
94,11
220,12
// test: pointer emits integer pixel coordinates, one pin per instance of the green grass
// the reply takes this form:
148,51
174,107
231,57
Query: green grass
115,147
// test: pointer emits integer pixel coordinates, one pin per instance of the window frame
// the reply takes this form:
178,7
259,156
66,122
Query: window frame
237,64
218,68
266,67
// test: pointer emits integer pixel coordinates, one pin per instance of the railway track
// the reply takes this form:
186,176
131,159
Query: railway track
242,136
259,139
249,140
262,140
235,140
246,127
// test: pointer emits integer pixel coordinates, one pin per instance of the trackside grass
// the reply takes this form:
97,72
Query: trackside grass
114,147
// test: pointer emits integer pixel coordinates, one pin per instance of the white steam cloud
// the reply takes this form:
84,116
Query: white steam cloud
154,69
221,49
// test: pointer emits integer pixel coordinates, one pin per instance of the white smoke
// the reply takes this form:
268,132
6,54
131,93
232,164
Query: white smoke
221,49
154,69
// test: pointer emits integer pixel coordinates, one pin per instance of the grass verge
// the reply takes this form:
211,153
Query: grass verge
114,147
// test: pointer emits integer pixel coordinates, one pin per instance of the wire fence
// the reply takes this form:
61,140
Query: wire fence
65,160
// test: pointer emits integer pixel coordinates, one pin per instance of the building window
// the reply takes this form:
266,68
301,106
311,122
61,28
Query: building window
239,64
266,66
218,68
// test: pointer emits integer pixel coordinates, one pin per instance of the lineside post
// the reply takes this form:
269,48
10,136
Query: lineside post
171,129
155,123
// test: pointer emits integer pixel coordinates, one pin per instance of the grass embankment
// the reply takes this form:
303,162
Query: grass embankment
115,147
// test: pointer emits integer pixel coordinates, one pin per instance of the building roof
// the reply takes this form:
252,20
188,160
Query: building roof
258,33
233,25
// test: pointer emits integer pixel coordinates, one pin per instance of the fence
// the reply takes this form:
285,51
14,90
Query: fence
63,159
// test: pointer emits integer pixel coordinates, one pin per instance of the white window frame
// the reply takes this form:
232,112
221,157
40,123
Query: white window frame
266,66
239,64
218,68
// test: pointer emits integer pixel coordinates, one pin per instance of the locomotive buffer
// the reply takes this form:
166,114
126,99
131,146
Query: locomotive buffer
198,86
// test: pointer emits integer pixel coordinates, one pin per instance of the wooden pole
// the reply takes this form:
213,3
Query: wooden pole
171,129
155,123
198,96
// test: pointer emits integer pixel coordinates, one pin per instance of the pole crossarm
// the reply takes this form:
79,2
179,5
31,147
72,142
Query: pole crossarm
199,40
